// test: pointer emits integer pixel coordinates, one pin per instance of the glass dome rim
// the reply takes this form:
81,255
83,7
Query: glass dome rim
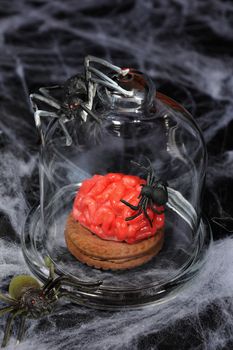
39,270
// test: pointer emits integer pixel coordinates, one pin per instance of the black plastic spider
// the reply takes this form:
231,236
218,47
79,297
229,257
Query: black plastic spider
29,299
78,95
72,103
154,192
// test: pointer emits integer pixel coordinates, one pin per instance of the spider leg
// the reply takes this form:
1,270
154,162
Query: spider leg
91,92
89,111
45,92
113,86
6,309
134,216
49,285
165,186
101,75
21,330
52,291
131,206
140,195
103,78
7,299
144,208
150,177
153,179
50,265
149,162
7,331
139,165
89,59
55,293
67,135
48,100
40,113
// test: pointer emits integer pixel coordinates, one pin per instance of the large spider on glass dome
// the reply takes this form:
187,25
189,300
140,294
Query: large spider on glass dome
78,94
154,192
29,299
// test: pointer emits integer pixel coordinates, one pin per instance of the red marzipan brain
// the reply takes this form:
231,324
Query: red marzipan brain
97,206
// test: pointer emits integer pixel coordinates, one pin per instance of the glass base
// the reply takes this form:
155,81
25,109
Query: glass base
160,279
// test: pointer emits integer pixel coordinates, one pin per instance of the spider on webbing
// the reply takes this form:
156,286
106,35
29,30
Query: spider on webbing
27,298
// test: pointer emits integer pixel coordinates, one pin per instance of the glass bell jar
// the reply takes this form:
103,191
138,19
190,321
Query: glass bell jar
110,124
